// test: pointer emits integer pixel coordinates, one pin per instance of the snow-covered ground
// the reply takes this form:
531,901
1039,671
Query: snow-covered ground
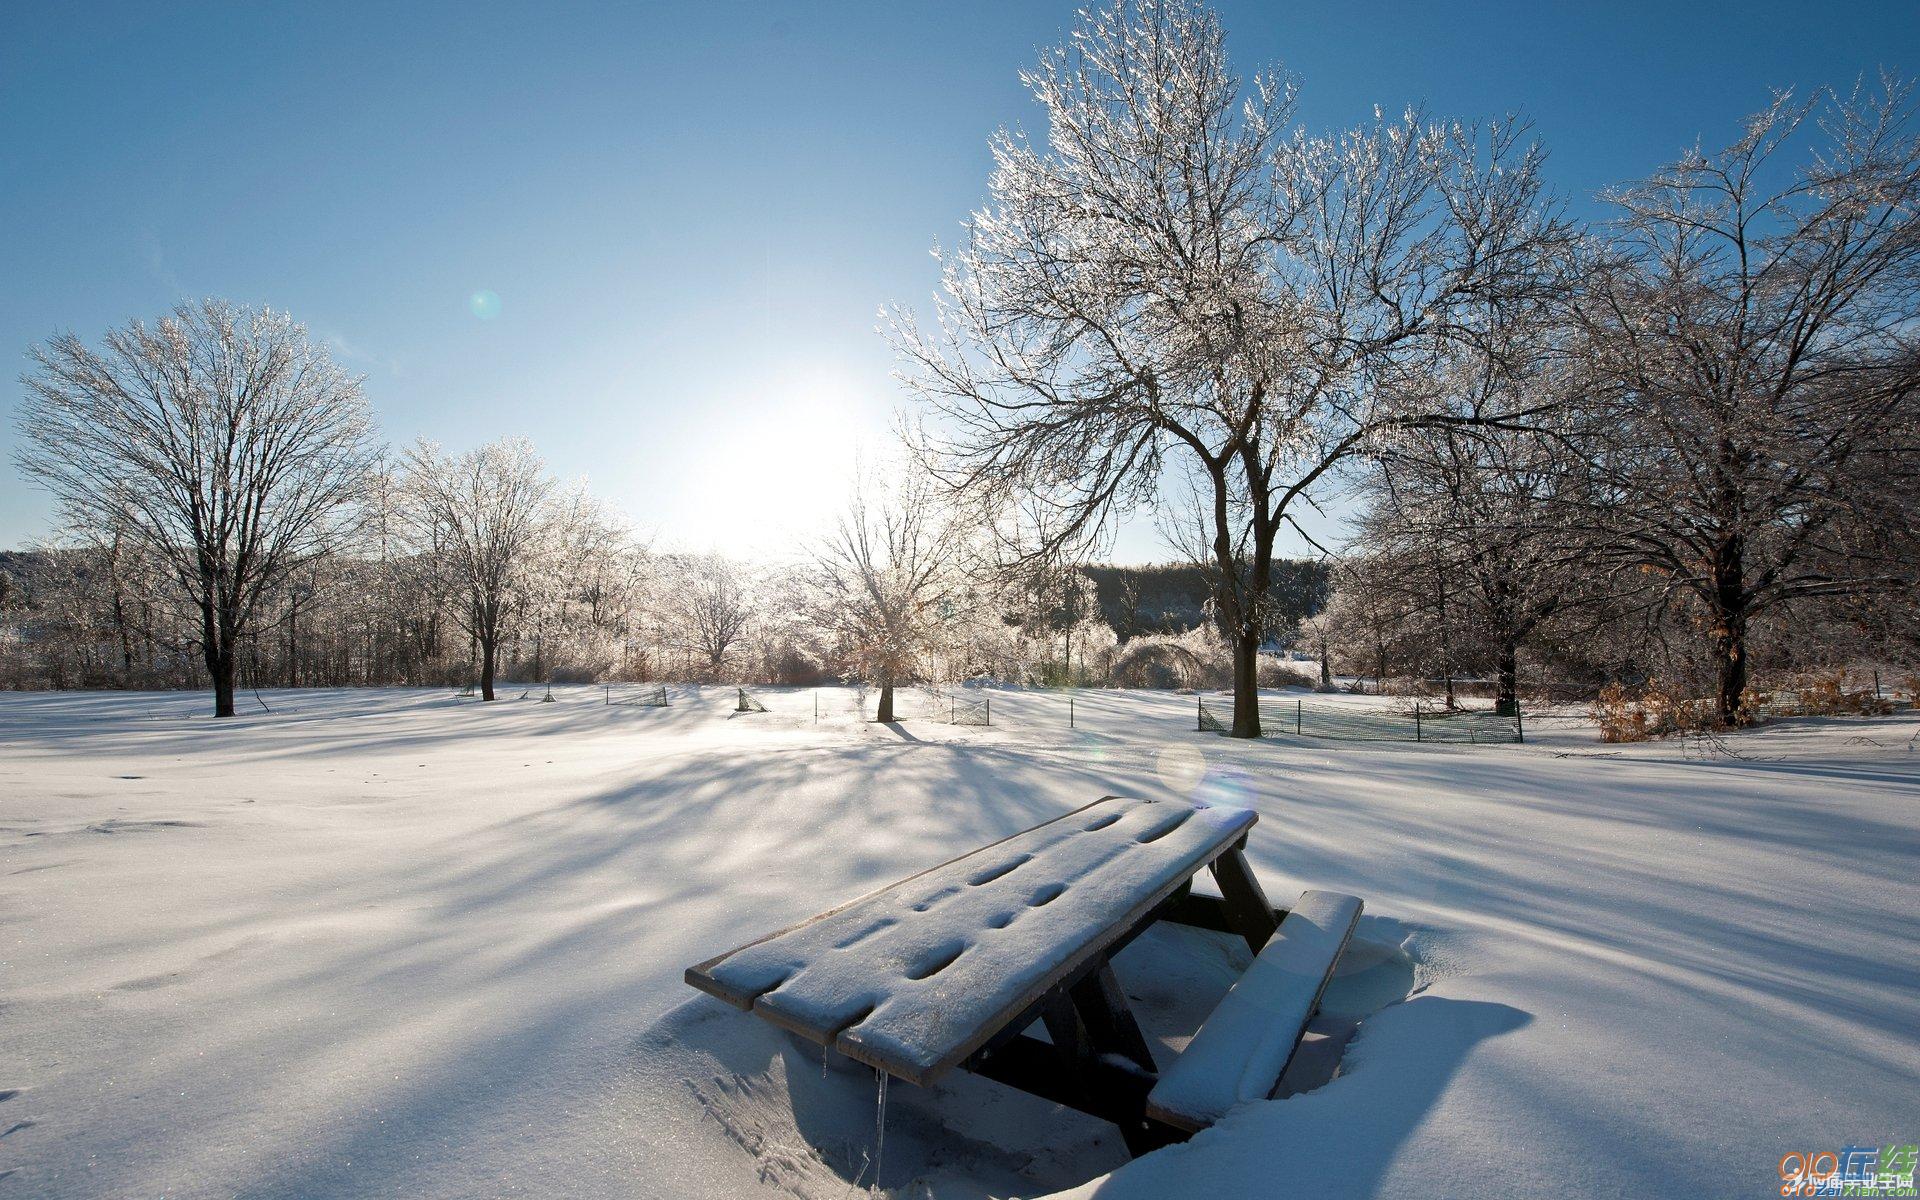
389,944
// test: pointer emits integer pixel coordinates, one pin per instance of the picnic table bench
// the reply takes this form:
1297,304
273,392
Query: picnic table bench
949,968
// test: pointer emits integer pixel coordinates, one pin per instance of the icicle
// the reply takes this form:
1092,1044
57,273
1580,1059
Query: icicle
879,1130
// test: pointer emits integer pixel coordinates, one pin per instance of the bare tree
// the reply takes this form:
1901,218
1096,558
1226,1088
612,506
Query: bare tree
1176,277
220,439
710,607
888,579
1479,518
1753,350
479,519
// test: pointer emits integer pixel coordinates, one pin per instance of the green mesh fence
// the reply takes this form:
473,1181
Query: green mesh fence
643,695
1786,702
963,711
1472,726
1209,723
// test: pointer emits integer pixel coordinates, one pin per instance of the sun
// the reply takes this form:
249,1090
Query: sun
786,466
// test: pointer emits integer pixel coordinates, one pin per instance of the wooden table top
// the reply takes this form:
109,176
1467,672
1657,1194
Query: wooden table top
916,977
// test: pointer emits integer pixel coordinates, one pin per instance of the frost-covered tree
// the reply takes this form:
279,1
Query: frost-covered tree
1753,347
607,579
220,440
1480,518
582,566
710,608
1176,277
481,519
889,578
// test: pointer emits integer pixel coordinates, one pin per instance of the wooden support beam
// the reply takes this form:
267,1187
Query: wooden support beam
1111,1088
1068,1033
1247,906
1108,1019
1202,911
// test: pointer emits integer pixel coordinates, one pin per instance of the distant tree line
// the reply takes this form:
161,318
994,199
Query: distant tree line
1667,448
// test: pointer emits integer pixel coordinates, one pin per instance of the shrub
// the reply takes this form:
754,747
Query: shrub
1816,694
1654,712
1196,658
1276,674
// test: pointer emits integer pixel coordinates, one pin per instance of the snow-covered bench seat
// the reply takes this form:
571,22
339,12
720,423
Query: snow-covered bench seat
917,977
1243,1048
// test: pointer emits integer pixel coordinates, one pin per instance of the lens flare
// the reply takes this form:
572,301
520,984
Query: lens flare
1225,787
1180,767
484,304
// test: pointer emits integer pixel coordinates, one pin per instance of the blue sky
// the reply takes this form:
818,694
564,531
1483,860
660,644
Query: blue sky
691,214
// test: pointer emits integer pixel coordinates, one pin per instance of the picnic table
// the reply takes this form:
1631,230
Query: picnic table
950,968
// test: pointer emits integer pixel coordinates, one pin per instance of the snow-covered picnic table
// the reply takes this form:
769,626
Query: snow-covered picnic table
949,967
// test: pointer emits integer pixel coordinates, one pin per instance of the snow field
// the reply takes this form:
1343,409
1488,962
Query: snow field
382,943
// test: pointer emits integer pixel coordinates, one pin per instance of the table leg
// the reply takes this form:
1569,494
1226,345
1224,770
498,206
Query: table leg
1109,1020
1247,907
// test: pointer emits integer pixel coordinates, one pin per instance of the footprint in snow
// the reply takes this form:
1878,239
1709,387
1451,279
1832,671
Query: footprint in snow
116,825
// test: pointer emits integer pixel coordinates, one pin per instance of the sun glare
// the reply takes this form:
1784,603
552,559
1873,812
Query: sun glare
786,465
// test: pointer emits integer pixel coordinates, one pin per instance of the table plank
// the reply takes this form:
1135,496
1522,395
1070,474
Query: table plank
917,976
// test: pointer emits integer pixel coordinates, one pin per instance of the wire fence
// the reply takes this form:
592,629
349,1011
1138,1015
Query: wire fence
654,696
965,711
1465,726
1820,703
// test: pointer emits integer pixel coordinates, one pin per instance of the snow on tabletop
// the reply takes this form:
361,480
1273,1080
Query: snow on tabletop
1244,1046
913,978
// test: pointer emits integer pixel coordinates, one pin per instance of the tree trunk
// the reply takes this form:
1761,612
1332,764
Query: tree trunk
1730,651
886,701
1326,669
486,667
1238,611
120,629
1730,627
1507,702
222,666
216,648
1246,684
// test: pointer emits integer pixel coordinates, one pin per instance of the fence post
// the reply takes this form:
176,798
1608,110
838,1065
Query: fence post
1299,709
1519,725
1069,710
989,715
1416,725
1199,714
